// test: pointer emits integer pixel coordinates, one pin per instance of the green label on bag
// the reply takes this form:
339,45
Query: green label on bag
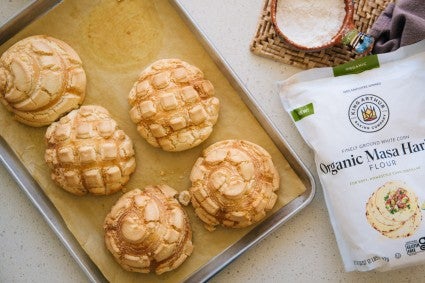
302,112
357,66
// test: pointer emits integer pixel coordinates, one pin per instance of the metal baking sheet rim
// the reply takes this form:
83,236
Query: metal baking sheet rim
215,265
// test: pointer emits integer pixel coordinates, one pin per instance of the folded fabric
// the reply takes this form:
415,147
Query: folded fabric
402,23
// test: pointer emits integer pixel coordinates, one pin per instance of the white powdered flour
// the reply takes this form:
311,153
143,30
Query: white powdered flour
310,23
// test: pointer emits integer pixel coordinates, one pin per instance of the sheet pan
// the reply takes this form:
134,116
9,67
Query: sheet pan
24,171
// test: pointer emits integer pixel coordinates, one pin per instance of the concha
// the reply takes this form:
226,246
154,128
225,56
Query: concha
148,231
41,79
173,105
88,153
234,184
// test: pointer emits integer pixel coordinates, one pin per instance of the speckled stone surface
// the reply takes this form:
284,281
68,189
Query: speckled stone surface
302,250
30,251
10,7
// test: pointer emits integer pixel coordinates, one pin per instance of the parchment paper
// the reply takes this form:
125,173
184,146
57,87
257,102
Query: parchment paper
116,40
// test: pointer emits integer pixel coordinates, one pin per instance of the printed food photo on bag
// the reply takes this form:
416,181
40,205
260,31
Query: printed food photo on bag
365,122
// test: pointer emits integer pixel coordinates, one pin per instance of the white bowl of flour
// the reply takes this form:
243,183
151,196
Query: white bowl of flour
312,25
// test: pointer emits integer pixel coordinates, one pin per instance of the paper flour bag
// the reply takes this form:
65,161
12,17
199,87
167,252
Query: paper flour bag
365,121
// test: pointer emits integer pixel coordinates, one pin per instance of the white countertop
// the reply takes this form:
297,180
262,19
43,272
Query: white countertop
302,250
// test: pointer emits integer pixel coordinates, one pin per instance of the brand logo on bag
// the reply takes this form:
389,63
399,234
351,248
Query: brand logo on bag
415,246
368,113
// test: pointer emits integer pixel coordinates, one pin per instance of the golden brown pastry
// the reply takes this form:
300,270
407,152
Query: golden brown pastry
148,231
173,105
234,184
88,153
41,79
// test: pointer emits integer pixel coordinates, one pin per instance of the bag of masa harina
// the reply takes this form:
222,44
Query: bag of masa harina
365,121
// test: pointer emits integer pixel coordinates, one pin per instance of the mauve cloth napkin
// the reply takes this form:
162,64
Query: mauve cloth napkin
402,23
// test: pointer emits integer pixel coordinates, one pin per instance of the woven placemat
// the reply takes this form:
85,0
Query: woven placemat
267,42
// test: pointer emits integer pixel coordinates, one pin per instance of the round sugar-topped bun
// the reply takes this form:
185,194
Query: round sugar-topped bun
41,79
88,153
234,184
173,105
148,231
